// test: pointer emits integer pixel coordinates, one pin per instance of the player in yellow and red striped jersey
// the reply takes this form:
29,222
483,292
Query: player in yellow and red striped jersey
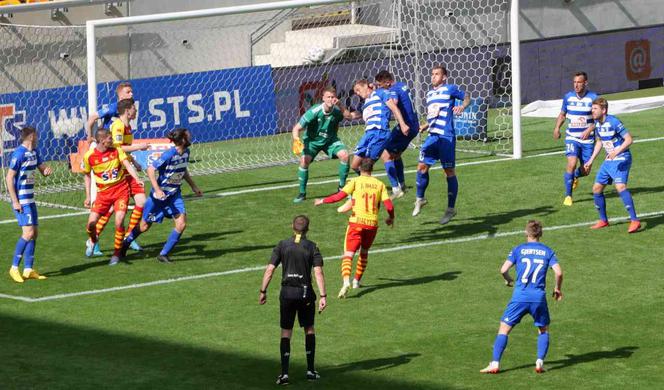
109,166
123,138
367,192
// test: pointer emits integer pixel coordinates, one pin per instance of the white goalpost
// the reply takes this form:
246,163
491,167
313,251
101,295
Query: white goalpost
239,77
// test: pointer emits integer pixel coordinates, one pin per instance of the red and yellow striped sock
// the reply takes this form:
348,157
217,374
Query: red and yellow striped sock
119,236
361,266
135,218
346,266
103,220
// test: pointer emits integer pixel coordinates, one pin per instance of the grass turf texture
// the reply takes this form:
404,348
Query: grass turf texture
425,319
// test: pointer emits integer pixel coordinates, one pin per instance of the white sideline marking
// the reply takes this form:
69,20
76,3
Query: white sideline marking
6,221
262,267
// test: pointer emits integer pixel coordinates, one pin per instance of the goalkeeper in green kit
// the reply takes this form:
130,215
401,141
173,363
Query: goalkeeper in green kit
321,123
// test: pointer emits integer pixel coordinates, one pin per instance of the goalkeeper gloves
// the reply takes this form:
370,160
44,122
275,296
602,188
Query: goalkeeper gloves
298,146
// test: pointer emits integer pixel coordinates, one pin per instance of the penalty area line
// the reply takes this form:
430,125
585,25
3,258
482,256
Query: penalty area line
262,267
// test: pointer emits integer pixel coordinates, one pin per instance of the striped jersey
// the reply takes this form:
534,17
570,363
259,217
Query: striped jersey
577,110
440,102
121,134
367,193
612,134
24,162
375,112
172,167
106,167
401,93
108,113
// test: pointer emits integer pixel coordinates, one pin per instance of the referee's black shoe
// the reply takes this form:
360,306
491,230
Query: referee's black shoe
164,259
313,375
282,379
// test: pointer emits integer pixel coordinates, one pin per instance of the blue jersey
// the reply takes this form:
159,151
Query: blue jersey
577,110
375,112
612,134
171,167
440,102
24,162
531,260
107,114
401,93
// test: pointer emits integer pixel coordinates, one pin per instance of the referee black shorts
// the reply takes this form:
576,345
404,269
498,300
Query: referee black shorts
305,310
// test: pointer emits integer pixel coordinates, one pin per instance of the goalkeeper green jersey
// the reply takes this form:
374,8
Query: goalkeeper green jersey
320,126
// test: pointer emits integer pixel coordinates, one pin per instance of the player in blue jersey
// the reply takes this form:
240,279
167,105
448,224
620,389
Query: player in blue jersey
166,175
532,259
399,140
616,140
376,112
20,183
579,137
441,142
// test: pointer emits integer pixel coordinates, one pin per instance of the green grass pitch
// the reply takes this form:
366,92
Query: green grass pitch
426,318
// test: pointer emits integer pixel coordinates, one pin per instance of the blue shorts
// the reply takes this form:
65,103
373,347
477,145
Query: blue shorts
515,311
372,144
579,150
155,210
28,215
614,171
399,142
437,148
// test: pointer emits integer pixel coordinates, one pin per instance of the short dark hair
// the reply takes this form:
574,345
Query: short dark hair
384,75
26,132
301,224
361,82
330,89
101,134
584,74
534,229
600,101
179,136
124,105
366,165
123,84
441,67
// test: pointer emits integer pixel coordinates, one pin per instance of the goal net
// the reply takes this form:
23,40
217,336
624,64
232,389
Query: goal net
239,82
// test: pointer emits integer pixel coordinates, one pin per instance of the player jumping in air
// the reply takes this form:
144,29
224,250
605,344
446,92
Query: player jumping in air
109,167
579,138
20,183
321,124
166,175
367,192
441,142
399,140
531,259
616,140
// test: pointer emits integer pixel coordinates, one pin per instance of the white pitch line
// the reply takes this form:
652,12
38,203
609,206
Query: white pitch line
262,267
56,216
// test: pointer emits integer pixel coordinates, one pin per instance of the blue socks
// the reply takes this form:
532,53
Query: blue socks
391,171
422,182
398,164
629,204
569,179
173,239
18,252
542,345
29,253
499,346
133,234
452,190
600,205
577,173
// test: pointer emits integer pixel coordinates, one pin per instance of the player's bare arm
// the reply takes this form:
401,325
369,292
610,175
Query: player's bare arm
320,281
505,273
557,289
88,183
131,170
559,122
88,126
158,192
267,277
459,109
190,181
9,181
135,147
397,114
596,150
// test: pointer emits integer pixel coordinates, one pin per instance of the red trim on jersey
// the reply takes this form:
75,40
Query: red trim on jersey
336,197
389,207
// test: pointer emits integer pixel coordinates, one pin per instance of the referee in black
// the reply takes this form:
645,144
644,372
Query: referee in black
298,256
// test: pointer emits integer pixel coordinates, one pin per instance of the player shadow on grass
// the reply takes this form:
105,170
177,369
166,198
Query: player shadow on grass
611,193
452,275
379,364
484,224
571,359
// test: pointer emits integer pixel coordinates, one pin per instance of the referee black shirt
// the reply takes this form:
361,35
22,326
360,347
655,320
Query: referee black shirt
297,258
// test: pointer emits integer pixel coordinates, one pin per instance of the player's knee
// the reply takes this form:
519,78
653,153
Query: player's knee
422,168
343,156
620,187
286,333
180,225
139,199
28,235
449,172
543,329
597,188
